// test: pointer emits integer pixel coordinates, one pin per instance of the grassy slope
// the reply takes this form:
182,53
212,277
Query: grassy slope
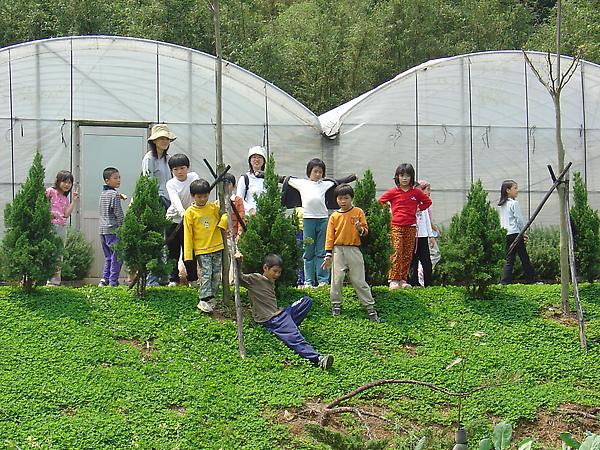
67,380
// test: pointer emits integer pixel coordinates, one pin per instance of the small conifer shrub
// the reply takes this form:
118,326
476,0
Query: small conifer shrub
474,251
30,247
78,256
376,246
270,231
142,234
586,232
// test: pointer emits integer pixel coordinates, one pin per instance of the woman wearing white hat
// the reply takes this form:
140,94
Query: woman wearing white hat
252,182
156,161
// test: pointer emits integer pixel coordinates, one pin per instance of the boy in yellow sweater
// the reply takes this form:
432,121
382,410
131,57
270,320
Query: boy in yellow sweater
342,251
202,239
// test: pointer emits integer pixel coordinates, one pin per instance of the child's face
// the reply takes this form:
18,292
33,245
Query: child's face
427,190
180,172
271,273
200,199
114,181
513,191
316,174
231,187
404,180
344,202
65,186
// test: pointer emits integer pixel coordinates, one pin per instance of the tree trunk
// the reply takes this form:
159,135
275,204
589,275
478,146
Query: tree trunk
221,188
564,242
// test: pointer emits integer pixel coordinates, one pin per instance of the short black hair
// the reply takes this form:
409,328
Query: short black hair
273,260
199,187
230,178
401,170
315,162
179,160
107,173
344,189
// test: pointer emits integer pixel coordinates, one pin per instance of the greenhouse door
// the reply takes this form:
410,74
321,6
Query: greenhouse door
101,147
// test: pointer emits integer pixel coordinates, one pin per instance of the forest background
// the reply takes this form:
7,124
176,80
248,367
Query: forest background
323,53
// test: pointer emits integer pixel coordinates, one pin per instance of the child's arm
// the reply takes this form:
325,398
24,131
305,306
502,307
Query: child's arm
329,240
175,199
71,206
361,224
188,237
118,211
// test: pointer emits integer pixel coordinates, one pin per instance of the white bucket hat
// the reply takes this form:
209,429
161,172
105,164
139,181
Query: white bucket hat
257,150
161,130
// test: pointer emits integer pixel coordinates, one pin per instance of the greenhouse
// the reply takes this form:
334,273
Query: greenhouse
89,102
476,116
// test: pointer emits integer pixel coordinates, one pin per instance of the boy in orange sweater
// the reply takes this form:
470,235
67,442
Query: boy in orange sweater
342,251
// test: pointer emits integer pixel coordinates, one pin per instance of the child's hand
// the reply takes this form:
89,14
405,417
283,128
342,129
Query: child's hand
75,196
326,262
238,255
525,238
123,196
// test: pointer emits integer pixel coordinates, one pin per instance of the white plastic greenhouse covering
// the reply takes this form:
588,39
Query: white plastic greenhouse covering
88,102
476,116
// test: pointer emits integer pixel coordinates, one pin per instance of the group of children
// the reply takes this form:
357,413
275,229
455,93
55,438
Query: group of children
195,236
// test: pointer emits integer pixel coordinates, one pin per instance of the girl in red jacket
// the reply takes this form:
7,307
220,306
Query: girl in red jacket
404,200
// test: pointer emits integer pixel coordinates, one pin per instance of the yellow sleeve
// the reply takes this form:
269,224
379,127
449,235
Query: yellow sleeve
330,236
223,224
188,236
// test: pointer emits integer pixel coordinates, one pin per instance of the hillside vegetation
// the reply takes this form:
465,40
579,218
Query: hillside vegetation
95,368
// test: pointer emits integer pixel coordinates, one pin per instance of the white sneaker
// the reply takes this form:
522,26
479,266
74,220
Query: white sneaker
204,306
322,283
173,283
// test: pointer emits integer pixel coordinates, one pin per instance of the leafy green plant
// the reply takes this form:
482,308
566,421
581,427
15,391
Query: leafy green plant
502,437
78,256
30,247
586,232
270,231
543,250
376,245
141,239
591,442
474,251
339,441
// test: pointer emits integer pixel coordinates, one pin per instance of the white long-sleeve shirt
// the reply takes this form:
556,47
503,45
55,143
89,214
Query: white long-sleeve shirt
179,194
511,217
424,228
255,186
312,194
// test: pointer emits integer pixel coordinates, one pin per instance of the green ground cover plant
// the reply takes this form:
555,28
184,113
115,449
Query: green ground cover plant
95,368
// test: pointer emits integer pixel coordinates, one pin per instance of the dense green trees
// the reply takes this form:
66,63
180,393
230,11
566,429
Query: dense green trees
30,247
586,232
322,53
474,251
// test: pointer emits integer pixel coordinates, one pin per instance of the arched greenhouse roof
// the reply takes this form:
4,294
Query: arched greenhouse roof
48,86
475,116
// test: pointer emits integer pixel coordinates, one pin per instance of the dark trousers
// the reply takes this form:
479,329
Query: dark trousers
421,254
175,249
285,327
507,272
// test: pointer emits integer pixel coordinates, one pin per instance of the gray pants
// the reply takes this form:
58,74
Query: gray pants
349,258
